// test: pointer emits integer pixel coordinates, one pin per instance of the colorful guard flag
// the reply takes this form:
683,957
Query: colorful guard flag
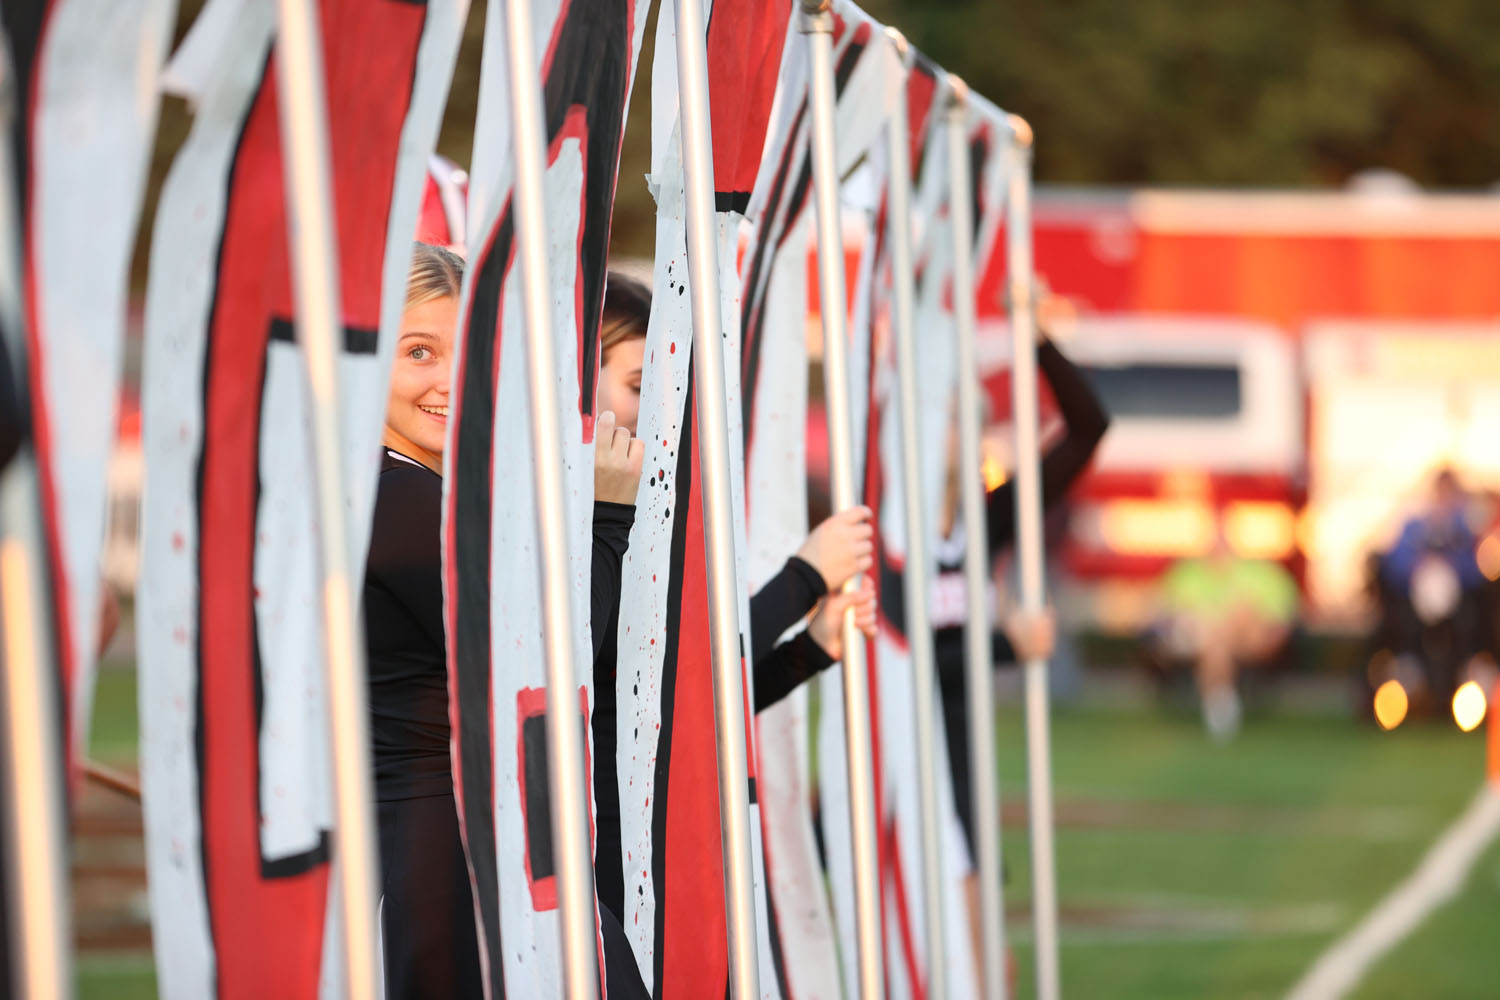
903,889
774,368
497,666
89,72
901,868
866,74
667,762
235,767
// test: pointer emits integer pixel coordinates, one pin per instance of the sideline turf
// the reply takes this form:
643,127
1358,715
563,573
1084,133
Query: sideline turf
1272,847
1222,872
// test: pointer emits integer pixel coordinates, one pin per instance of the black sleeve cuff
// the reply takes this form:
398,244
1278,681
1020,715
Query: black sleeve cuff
782,602
803,571
806,654
612,524
787,667
609,512
1002,654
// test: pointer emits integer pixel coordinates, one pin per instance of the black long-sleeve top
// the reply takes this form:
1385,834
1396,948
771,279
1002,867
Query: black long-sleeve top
611,537
404,632
403,613
782,602
1086,421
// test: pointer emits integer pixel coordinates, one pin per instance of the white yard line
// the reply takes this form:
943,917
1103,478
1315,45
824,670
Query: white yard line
1436,880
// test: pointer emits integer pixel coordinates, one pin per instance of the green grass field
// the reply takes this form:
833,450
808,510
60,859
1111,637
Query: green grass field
1186,870
1193,870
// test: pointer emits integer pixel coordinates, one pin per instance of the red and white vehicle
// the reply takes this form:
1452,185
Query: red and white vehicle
1281,257
1252,345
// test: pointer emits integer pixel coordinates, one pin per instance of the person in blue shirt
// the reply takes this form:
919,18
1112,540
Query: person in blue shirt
1432,589
1440,531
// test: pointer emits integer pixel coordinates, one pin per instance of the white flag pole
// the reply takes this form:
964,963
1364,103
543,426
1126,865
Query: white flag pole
918,571
38,912
718,515
305,157
1029,557
978,662
568,786
817,24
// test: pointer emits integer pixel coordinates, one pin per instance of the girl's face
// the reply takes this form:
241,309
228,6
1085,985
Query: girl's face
416,416
620,381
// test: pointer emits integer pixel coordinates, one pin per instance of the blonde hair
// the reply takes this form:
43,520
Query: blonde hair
436,273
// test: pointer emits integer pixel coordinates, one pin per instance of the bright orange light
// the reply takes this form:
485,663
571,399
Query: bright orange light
993,472
1260,529
1188,484
1306,530
1158,527
1488,556
1390,704
1469,706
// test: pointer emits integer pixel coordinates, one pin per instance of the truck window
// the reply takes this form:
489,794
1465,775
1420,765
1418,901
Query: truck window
1171,392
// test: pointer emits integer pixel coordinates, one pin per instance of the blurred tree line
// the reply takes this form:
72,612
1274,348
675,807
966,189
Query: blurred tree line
1232,92
1272,93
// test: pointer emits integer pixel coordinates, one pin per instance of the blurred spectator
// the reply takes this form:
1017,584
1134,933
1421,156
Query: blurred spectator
1431,589
1440,531
1223,614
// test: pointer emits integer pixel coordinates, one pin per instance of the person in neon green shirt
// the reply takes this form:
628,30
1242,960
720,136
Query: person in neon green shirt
1225,613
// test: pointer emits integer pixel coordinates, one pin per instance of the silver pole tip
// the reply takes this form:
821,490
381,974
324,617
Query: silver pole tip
898,41
1020,130
958,91
817,6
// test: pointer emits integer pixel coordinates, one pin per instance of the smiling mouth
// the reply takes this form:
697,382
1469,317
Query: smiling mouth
441,412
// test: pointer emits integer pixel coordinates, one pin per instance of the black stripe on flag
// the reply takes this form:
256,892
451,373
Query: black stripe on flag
472,501
757,285
356,340
731,201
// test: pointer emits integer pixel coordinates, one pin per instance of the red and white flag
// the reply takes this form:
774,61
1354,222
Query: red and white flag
774,372
234,741
89,72
774,366
587,51
902,888
667,763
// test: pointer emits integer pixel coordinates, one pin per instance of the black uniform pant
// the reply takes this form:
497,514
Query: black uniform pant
427,910
426,906
956,727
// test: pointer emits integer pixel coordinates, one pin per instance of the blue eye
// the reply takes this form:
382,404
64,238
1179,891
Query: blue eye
419,353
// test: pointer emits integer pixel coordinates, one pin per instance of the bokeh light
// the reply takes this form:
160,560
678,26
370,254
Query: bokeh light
1488,556
1469,706
1391,704
1259,529
993,472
